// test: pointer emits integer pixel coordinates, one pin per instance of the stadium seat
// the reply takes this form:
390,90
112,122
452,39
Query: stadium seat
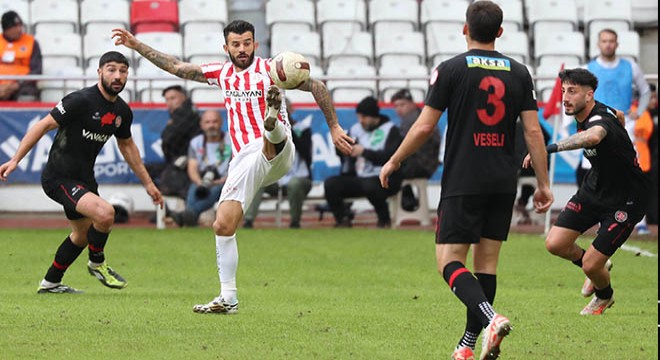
170,43
21,7
352,87
94,15
572,44
54,90
568,61
515,45
50,16
385,13
96,44
607,13
154,16
348,45
290,12
422,213
306,43
204,93
628,45
444,11
65,45
220,57
417,87
212,14
645,13
554,15
150,90
546,76
341,11
399,46
442,45
386,30
299,96
207,43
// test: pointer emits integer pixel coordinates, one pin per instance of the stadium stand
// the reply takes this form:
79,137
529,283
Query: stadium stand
355,89
54,16
400,48
599,14
515,44
202,16
345,46
645,13
441,45
386,88
200,47
96,43
385,14
290,15
628,44
545,45
95,19
306,43
22,7
442,11
154,16
61,45
555,15
341,13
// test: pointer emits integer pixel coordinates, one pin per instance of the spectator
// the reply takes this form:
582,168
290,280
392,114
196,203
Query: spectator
376,139
208,161
297,183
644,128
183,125
616,78
20,55
424,162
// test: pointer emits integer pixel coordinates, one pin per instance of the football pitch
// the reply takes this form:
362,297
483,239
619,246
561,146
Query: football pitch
310,294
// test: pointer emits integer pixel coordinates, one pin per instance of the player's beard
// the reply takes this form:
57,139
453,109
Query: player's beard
243,64
577,108
107,86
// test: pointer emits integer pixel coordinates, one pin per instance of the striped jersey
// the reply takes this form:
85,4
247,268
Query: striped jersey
245,99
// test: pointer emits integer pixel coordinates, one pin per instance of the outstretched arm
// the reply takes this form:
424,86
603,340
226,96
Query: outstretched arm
33,135
132,156
164,61
342,141
421,130
584,139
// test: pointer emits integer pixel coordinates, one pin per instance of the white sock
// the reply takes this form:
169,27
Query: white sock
278,134
47,284
226,252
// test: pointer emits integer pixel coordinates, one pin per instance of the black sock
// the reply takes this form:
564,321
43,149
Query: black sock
65,255
467,289
605,293
96,240
473,325
578,262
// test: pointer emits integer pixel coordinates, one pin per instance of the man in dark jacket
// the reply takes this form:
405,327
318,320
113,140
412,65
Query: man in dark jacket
376,139
182,126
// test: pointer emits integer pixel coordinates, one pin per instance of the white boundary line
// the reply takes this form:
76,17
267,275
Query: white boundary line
638,251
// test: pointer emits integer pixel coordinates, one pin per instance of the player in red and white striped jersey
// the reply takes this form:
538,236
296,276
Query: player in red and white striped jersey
259,131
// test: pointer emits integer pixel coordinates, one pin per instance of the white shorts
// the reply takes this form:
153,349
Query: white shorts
250,170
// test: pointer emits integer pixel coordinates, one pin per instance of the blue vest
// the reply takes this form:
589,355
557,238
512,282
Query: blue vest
614,85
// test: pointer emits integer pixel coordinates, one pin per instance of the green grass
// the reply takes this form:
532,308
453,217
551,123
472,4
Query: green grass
309,294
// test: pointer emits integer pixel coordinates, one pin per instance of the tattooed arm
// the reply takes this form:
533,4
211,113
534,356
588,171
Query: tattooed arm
582,140
166,62
322,97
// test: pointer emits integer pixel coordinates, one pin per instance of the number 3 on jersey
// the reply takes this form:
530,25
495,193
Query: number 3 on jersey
496,90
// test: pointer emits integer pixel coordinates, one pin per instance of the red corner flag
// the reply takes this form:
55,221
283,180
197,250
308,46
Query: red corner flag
553,106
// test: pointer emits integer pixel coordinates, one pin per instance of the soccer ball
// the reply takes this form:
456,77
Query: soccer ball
289,70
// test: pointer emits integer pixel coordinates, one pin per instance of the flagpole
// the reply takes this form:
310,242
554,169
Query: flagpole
555,134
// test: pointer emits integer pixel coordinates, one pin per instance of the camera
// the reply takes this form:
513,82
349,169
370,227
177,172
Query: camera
208,175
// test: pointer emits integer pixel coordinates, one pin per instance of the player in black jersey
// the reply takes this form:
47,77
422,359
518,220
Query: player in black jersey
85,120
483,92
614,192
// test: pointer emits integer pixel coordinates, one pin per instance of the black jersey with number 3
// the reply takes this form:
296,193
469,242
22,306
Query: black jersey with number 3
484,92
615,177
86,122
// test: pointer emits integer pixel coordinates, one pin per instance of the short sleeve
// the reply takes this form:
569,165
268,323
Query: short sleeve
212,72
439,88
67,110
124,130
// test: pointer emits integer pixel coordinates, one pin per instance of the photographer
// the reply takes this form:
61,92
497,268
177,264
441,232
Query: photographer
208,161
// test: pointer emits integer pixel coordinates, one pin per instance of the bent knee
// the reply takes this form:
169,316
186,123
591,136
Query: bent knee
554,247
221,228
105,218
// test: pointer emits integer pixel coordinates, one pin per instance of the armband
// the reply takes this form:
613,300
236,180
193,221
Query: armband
551,148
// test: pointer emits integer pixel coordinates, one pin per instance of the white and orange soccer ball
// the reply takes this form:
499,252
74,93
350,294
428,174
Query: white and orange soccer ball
289,70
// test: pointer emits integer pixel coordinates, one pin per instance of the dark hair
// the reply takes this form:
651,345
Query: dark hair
113,56
178,88
578,76
403,94
652,87
484,19
608,30
10,19
238,27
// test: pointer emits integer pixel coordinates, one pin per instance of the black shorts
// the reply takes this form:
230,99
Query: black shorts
465,219
616,224
67,192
